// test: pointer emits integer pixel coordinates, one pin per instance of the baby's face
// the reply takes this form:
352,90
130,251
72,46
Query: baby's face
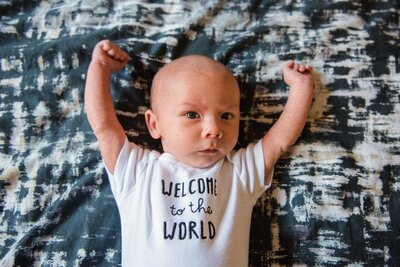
196,114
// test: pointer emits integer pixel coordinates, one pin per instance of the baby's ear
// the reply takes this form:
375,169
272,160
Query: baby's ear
152,124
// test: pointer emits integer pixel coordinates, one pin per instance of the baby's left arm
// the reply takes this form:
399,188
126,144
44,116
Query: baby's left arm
107,58
288,127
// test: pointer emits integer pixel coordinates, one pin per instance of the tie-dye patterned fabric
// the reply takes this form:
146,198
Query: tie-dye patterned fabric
335,199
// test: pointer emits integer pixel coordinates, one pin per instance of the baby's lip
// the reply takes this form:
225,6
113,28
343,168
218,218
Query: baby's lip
210,150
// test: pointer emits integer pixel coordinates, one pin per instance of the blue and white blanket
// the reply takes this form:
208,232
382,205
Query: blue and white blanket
335,198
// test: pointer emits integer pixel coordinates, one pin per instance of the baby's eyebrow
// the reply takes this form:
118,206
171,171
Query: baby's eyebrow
233,106
230,107
196,104
189,104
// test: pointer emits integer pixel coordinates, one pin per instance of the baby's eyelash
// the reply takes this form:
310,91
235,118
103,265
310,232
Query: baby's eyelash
226,116
192,115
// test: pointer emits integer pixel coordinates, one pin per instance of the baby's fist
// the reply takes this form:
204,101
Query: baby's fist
297,74
110,56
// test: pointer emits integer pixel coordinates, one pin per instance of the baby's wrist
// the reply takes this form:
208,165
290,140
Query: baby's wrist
100,66
302,85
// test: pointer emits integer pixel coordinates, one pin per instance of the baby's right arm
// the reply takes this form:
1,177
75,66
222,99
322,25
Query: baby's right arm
107,58
288,127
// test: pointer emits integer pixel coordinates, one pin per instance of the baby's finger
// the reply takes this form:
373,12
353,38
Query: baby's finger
110,48
105,45
121,55
289,64
124,56
302,68
116,53
112,52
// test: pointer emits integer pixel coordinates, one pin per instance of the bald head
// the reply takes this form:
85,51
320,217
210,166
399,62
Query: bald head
187,68
195,108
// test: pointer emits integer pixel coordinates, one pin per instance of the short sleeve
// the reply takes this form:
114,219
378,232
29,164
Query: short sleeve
249,165
130,163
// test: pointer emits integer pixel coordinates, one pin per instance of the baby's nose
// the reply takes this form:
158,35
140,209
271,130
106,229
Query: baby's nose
212,129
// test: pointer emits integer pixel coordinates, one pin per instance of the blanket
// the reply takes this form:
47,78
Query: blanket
335,196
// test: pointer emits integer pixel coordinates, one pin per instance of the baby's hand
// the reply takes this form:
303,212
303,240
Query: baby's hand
297,74
110,56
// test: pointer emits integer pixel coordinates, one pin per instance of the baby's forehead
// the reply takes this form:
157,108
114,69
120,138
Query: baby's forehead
191,69
194,63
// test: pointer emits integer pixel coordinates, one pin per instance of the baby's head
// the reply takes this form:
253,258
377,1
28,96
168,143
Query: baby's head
195,110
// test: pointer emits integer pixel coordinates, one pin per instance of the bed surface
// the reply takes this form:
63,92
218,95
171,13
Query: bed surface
335,197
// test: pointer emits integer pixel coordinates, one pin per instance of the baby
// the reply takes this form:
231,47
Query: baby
192,204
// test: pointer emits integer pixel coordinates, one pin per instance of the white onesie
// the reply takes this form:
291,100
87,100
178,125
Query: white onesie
175,215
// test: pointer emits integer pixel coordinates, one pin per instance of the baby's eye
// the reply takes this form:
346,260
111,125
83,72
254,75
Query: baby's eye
192,115
226,116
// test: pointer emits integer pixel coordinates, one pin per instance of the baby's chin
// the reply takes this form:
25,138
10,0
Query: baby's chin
201,163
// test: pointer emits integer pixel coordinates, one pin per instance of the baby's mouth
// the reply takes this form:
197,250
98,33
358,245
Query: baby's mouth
210,150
